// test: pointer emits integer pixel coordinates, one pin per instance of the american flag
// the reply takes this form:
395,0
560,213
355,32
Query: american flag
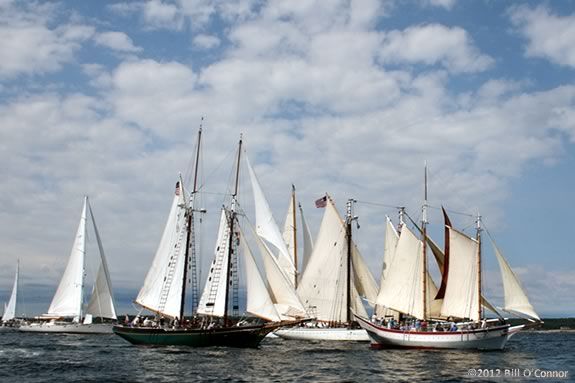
178,188
322,202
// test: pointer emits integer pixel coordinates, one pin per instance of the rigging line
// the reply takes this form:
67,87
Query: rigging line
452,211
379,204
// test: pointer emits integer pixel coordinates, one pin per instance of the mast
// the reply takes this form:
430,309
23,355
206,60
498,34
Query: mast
478,237
349,218
189,233
424,257
231,225
294,235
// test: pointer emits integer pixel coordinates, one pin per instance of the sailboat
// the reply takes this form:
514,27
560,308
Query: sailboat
334,282
165,285
9,320
457,307
68,301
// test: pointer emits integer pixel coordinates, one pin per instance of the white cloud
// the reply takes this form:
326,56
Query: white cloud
548,35
434,44
206,41
30,45
118,41
447,4
160,14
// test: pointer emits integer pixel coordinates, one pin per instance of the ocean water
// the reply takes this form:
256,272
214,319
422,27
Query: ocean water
29,357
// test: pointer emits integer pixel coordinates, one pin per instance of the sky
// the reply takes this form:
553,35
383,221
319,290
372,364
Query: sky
346,97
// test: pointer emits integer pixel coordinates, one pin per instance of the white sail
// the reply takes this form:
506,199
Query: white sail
213,299
389,246
307,242
259,301
101,302
461,295
282,290
162,289
363,279
267,228
402,288
288,235
10,308
515,298
67,302
323,287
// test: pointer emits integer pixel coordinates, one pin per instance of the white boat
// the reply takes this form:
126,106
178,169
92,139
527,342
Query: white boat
9,320
66,313
409,289
334,282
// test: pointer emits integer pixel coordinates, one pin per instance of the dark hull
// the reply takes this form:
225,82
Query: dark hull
244,337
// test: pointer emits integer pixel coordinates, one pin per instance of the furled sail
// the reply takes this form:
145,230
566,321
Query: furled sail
259,301
67,301
213,299
461,294
267,228
515,298
102,300
401,289
10,308
162,289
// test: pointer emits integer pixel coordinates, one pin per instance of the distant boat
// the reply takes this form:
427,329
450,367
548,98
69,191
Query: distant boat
452,316
165,286
66,313
9,319
334,282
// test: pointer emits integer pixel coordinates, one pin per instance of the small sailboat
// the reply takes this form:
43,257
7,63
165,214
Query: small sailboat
9,319
163,293
453,315
334,281
66,313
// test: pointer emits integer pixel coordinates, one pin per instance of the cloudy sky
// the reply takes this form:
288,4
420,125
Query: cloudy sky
339,96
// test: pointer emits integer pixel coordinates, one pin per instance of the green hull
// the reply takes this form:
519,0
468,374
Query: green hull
245,337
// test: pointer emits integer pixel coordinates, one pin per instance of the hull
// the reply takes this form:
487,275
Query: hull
491,338
244,337
68,328
332,334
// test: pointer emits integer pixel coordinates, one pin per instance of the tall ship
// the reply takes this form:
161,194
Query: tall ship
215,319
67,313
453,315
335,282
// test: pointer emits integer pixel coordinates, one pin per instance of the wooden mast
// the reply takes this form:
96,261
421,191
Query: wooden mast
480,306
294,235
424,260
190,213
349,218
231,234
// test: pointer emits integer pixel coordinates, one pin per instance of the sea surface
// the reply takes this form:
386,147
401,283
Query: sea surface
29,357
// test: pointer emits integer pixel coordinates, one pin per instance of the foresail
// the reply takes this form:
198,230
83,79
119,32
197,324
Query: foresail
288,235
389,246
267,228
402,288
323,285
307,242
10,308
461,294
515,298
162,289
101,302
213,299
363,279
67,302
259,302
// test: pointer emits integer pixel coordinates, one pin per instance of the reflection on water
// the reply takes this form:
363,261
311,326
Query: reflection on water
66,358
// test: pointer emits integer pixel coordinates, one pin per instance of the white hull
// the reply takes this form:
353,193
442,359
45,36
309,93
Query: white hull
68,328
491,338
313,333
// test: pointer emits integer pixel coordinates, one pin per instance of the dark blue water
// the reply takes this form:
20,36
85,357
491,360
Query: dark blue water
28,357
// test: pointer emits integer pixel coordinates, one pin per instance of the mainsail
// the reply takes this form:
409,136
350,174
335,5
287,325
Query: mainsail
515,298
67,302
213,299
307,242
10,308
162,289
